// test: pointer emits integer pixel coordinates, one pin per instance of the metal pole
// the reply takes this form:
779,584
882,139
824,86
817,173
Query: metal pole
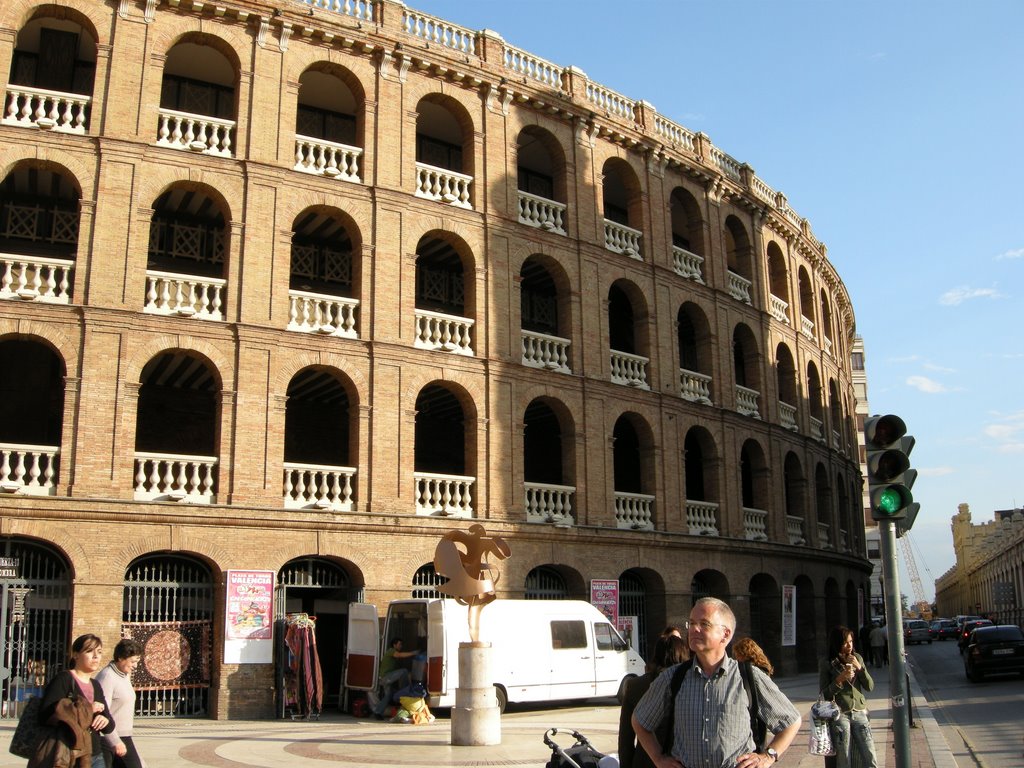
899,701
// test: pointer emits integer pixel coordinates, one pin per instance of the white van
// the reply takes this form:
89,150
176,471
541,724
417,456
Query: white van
544,650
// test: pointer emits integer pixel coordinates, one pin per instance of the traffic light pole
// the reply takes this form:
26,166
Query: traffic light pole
899,695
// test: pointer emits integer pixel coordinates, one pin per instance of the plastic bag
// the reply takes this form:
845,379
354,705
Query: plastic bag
821,737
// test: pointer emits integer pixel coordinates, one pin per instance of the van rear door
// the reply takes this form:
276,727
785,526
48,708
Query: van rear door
437,656
363,644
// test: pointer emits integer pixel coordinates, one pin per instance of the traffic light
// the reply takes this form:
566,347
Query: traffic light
890,477
904,526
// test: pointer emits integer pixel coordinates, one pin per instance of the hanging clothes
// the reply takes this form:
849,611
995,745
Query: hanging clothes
304,685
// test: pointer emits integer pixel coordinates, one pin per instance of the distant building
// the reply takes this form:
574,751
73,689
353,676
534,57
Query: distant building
858,371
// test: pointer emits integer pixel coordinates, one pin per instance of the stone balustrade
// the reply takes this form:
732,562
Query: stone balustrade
779,308
439,31
444,495
547,352
674,133
536,211
175,477
634,511
817,430
327,158
824,537
168,293
610,102
444,333
630,370
807,328
619,238
746,401
837,441
729,167
29,107
702,518
687,264
358,9
443,186
321,313
35,278
755,524
844,540
827,345
795,530
787,416
547,503
695,387
195,133
28,469
739,287
318,486
532,67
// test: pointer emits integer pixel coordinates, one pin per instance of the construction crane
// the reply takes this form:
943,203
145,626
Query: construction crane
924,609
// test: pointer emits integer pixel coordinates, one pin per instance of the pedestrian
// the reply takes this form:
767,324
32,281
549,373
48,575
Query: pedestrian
745,649
708,728
843,677
392,676
878,646
669,650
76,684
116,681
864,641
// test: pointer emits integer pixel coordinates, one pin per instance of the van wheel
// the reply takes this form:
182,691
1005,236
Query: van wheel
502,697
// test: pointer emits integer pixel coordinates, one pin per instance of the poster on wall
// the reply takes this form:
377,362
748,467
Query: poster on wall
604,595
788,614
249,617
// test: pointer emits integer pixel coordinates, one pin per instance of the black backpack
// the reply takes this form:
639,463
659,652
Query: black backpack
758,729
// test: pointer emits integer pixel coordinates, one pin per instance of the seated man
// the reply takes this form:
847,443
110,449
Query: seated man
392,676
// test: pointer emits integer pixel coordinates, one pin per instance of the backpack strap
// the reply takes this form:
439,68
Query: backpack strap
669,719
758,729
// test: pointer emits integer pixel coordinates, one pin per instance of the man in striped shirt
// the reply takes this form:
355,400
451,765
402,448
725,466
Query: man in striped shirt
711,727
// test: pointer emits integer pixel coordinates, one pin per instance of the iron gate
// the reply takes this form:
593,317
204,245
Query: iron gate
168,607
633,602
426,581
544,583
35,616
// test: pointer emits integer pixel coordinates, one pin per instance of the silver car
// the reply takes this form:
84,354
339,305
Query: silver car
916,631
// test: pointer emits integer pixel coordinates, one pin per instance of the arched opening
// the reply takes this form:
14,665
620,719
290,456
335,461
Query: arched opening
330,106
198,97
754,486
739,259
323,279
700,462
823,506
747,371
545,582
693,335
794,491
540,180
709,583
444,296
633,475
778,283
443,455
444,151
765,616
425,583
806,626
622,209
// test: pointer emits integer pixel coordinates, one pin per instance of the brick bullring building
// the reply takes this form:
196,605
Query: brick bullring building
300,287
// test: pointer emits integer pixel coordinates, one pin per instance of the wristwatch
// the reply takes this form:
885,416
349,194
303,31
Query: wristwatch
772,753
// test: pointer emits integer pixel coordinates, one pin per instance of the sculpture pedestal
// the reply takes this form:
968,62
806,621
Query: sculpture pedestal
476,719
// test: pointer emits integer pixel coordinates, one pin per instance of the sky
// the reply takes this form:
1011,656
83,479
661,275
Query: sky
896,128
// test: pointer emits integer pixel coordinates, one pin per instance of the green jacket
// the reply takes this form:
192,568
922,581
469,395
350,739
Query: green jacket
847,696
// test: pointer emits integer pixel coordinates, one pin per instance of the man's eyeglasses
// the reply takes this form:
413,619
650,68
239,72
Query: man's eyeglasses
703,626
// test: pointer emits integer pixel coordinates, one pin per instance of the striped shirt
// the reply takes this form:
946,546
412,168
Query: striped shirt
712,721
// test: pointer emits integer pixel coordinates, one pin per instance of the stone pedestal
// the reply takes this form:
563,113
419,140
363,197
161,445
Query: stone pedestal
476,719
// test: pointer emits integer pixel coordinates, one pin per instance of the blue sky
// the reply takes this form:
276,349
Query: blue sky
896,129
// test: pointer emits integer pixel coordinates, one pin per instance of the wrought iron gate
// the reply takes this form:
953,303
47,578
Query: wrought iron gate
426,581
544,583
168,607
633,602
35,616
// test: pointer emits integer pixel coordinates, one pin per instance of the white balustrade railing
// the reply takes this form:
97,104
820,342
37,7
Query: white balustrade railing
702,518
318,486
687,264
634,511
442,185
746,401
824,540
795,530
827,343
321,313
327,158
548,352
844,541
779,308
196,133
536,211
837,440
673,133
446,333
755,524
444,495
628,369
359,9
817,430
174,477
787,416
546,503
619,238
438,31
739,287
29,469
695,387
726,164
611,102
762,190
533,67
807,327
34,278
39,108
168,293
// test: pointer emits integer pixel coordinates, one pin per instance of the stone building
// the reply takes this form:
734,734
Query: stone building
298,289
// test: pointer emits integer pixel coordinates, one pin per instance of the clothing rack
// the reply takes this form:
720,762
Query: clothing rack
303,681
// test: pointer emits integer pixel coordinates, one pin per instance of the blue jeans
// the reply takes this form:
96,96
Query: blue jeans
97,761
389,683
851,734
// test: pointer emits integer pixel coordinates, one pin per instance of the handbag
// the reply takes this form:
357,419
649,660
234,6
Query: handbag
823,713
824,709
29,731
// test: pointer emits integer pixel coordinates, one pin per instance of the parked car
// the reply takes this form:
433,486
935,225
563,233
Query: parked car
940,629
967,628
916,631
994,650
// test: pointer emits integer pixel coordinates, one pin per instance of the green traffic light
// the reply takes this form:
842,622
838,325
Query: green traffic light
890,501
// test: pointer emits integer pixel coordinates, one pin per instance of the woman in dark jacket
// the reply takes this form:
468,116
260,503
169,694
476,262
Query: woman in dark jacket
668,651
76,682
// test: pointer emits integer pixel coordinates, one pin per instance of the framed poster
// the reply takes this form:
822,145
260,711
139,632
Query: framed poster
788,614
604,595
249,617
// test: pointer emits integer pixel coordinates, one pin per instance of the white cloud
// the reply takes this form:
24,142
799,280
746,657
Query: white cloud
935,471
1016,253
924,384
1008,434
939,368
957,296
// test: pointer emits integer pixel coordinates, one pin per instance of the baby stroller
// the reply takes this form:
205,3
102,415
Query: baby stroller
580,755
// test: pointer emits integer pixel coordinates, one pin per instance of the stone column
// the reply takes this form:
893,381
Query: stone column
476,719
